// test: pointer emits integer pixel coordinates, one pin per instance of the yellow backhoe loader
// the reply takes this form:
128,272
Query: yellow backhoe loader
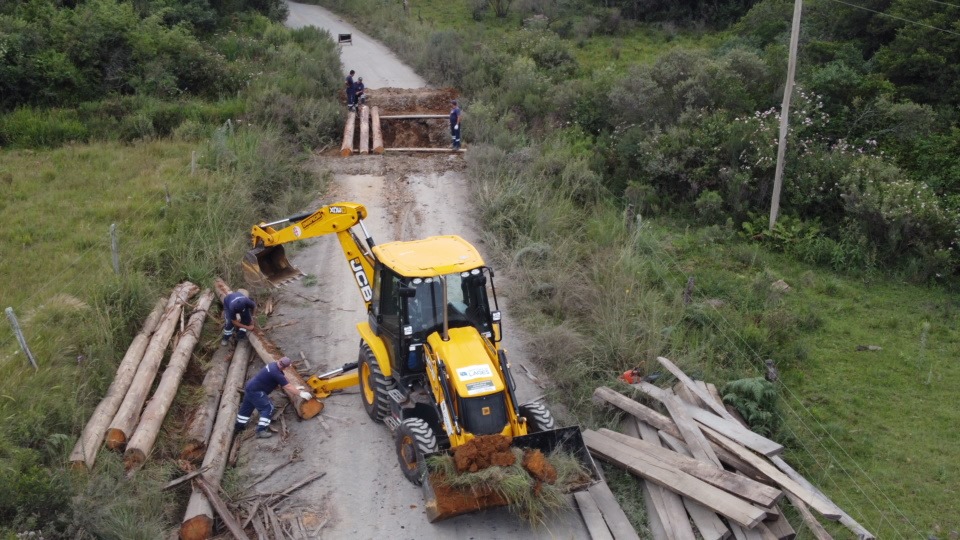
430,365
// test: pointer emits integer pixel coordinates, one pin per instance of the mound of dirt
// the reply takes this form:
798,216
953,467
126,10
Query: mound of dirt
482,452
411,100
537,465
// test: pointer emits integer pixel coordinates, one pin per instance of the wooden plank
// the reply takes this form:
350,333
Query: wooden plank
707,522
686,395
638,463
667,507
413,116
592,516
815,527
654,524
779,527
845,519
825,508
730,429
616,520
732,483
695,440
688,382
347,147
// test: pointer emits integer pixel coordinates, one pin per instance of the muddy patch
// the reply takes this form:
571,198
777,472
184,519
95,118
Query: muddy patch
482,452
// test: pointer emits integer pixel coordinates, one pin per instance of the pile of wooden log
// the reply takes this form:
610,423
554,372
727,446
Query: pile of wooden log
703,470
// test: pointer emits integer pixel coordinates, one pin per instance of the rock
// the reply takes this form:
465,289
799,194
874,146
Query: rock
715,303
861,348
772,373
779,286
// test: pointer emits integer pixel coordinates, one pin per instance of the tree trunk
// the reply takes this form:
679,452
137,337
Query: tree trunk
198,521
201,425
377,131
146,434
364,130
268,352
85,452
347,148
128,415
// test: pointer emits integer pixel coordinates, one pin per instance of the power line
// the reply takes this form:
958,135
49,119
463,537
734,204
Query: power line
900,18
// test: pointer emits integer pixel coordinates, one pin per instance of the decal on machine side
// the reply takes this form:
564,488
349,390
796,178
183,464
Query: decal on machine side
479,371
362,280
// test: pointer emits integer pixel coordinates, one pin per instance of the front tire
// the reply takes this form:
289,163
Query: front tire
415,439
538,418
374,385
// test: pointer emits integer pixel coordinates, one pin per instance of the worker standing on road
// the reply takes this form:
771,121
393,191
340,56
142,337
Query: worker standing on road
351,90
257,396
455,116
236,304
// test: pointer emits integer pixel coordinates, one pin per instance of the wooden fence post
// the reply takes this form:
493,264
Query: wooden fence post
115,248
20,338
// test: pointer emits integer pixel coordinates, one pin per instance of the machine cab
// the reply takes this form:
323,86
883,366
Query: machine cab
417,285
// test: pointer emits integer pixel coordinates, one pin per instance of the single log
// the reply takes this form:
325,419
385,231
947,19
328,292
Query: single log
85,452
364,130
637,463
377,130
268,352
347,147
128,415
141,443
199,427
198,521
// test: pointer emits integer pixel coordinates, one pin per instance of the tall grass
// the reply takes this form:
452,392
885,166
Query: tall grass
78,316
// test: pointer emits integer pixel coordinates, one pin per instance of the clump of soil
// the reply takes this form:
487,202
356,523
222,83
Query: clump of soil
537,465
449,501
411,100
482,452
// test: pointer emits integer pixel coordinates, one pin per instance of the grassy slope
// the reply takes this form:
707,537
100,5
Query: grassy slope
862,419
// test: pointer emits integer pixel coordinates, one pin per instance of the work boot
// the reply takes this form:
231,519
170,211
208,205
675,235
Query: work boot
224,342
238,428
265,434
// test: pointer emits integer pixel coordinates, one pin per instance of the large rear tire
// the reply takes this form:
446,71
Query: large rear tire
538,418
374,385
415,438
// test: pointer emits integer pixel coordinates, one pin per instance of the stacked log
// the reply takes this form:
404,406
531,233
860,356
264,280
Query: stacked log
269,352
713,467
142,440
200,426
128,415
377,130
364,130
198,521
84,454
346,148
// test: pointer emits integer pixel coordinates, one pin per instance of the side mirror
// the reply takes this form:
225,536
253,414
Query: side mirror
408,292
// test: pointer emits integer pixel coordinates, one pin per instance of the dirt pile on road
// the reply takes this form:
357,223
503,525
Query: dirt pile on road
411,100
482,452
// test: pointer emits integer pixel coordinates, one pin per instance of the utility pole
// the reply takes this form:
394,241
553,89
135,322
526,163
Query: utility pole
785,113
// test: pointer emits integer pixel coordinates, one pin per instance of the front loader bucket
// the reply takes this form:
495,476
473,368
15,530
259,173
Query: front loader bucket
442,502
268,267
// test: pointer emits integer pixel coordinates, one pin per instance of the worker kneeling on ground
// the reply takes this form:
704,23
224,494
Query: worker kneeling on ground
257,396
236,304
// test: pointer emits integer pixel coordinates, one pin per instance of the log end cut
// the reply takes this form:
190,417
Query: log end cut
310,408
116,440
80,465
197,528
133,459
346,152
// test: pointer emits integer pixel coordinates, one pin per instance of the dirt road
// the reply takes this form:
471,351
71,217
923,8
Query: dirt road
364,494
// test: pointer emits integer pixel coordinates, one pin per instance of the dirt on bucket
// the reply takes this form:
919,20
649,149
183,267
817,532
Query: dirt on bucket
537,465
482,452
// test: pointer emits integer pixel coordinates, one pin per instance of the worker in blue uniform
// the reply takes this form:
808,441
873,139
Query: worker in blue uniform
237,304
455,116
257,396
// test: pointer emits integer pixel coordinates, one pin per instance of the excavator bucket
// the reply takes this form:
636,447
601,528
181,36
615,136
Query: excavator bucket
443,502
268,267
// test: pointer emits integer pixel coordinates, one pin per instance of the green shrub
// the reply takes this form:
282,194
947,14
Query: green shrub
710,207
758,402
33,128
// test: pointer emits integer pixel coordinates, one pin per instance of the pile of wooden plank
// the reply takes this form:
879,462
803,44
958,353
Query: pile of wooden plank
703,470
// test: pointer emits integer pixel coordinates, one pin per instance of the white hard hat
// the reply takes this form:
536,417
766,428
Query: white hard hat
243,292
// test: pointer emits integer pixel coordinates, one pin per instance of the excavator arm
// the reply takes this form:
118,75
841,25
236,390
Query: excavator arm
267,265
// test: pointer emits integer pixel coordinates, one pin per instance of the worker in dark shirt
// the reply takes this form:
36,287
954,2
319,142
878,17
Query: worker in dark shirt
358,96
237,304
257,396
351,90
455,115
